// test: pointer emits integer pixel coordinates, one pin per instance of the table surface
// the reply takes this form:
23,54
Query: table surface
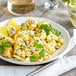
60,16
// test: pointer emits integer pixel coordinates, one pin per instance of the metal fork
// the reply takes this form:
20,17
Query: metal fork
42,68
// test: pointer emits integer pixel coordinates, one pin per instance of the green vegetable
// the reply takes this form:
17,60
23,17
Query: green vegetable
34,58
46,27
38,46
42,53
57,33
6,45
2,49
2,38
47,32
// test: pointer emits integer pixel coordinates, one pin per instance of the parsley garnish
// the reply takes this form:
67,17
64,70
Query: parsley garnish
42,53
2,49
46,27
34,58
56,32
2,38
5,45
38,46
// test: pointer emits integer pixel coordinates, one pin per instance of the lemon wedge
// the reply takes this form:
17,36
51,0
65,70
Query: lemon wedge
12,23
3,30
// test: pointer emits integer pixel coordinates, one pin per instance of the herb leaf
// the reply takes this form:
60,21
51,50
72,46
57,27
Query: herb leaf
42,53
47,32
38,46
2,49
46,27
35,44
34,58
2,38
56,32
6,45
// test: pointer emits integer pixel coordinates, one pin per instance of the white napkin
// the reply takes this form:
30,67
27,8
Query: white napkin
61,66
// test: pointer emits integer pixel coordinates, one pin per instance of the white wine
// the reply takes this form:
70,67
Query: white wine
19,7
72,14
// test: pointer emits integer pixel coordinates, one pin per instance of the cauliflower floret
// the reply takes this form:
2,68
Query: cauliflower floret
20,53
48,38
8,52
61,41
27,60
18,58
50,50
58,45
46,57
31,33
43,36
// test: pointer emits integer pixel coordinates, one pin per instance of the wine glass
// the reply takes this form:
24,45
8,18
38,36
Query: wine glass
21,7
1,8
72,12
51,4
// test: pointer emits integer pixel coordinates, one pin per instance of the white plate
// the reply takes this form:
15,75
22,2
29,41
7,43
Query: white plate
61,52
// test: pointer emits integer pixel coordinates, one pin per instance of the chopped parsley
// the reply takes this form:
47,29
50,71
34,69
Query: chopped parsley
2,38
42,53
34,58
56,32
48,28
5,45
38,46
2,49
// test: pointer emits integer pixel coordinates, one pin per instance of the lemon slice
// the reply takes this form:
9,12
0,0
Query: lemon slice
12,23
72,4
3,30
